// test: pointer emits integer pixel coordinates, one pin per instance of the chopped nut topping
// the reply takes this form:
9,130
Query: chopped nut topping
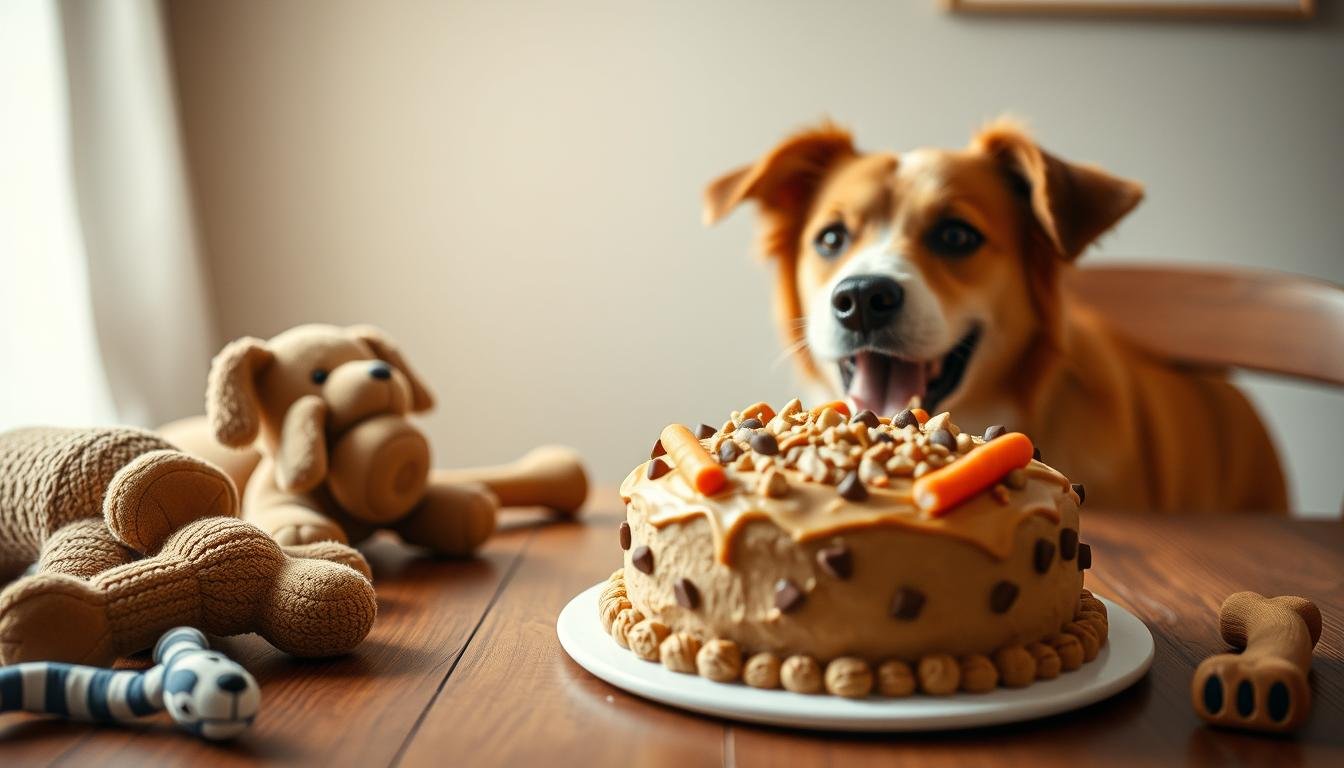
826,446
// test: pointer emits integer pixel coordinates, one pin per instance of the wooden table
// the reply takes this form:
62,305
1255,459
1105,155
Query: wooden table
463,668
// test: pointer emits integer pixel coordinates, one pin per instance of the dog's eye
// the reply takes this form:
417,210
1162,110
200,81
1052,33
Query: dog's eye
319,375
832,241
953,237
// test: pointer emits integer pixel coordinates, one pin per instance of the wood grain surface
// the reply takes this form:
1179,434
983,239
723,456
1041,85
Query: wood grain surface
463,668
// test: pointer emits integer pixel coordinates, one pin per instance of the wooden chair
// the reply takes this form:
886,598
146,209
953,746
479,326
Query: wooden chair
1222,317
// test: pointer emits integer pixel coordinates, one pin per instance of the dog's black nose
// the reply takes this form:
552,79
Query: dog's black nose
231,682
381,371
866,302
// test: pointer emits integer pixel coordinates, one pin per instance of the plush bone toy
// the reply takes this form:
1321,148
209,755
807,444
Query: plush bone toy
327,409
204,691
132,537
1263,688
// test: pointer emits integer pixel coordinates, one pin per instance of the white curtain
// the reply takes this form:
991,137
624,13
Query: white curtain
104,312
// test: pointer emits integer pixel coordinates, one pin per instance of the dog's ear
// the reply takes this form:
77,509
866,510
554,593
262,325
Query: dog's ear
785,179
231,402
301,457
1073,204
421,398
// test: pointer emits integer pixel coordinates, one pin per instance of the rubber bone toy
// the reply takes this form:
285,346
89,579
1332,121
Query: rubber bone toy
1263,688
204,691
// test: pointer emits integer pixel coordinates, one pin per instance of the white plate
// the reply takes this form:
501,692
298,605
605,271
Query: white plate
1124,659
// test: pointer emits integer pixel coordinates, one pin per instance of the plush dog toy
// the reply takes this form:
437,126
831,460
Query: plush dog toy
205,692
333,457
132,537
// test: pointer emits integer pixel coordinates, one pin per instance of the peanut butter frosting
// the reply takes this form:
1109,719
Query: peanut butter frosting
811,510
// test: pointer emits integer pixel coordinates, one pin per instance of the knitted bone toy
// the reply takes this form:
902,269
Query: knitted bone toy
204,691
337,458
133,537
1265,687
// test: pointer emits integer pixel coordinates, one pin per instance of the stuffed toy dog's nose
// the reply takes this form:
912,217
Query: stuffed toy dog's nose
381,371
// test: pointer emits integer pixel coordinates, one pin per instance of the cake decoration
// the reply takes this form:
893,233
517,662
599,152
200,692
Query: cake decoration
642,558
788,597
907,604
694,463
624,534
658,468
836,561
938,493
1042,557
815,551
1068,543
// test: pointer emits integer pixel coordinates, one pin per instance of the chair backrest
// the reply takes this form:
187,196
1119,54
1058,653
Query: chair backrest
1222,317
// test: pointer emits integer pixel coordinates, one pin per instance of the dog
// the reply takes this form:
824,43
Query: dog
933,277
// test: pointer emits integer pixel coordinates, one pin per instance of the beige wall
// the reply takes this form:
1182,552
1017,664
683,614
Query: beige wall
511,188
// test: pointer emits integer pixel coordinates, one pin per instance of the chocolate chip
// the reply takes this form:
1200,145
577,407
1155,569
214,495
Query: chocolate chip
1044,554
838,561
1035,453
658,449
907,604
750,424
1068,543
1081,491
905,418
687,594
625,535
765,444
884,437
788,597
1003,596
944,438
658,468
852,489
642,558
704,430
1084,557
994,431
867,417
728,452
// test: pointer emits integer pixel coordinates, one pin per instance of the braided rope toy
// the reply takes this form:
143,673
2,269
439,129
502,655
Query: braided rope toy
204,691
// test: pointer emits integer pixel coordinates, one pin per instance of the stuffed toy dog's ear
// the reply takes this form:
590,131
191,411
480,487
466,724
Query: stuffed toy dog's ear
301,457
1073,204
231,402
421,398
785,179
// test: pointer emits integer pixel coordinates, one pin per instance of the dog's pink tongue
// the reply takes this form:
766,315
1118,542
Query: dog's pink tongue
884,385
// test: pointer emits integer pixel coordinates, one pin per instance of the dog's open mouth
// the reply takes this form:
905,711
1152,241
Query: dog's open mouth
884,384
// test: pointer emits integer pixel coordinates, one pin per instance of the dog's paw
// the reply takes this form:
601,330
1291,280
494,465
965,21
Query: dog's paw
1261,693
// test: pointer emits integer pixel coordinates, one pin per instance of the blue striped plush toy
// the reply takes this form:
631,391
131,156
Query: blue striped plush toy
204,691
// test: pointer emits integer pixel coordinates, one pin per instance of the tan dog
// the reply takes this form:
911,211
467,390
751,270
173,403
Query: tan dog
933,274
335,456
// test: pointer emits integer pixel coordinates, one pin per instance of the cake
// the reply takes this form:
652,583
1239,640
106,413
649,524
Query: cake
857,555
